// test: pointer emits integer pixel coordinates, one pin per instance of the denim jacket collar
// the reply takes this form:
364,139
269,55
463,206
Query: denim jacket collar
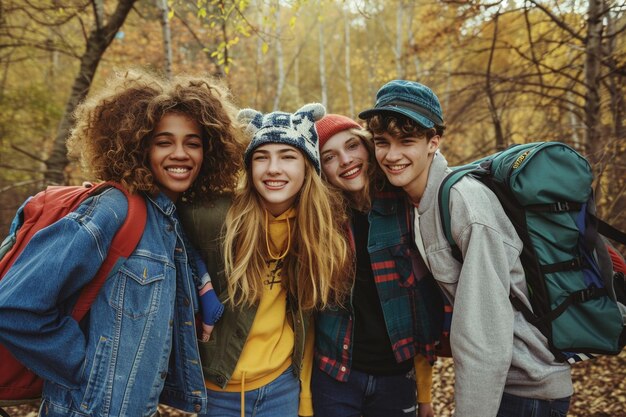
163,203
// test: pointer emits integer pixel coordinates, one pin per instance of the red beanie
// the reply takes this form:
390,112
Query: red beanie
331,124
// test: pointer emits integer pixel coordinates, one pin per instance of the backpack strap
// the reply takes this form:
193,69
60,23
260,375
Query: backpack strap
611,232
444,199
122,246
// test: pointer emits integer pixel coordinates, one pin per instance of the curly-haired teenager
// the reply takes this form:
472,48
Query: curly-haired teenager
502,363
370,355
284,254
137,347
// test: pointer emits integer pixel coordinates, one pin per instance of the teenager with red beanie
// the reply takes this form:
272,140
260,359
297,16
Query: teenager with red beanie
369,353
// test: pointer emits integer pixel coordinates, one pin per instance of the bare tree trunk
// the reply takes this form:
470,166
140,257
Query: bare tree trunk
347,59
493,108
320,34
97,43
615,81
399,40
260,90
279,59
574,119
167,36
410,11
593,57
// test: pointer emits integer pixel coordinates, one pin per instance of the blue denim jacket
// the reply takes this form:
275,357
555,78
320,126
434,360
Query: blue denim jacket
137,346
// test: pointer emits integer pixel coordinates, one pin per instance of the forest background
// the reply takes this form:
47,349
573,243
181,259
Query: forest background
506,71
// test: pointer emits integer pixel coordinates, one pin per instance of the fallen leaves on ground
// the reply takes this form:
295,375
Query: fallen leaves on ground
599,385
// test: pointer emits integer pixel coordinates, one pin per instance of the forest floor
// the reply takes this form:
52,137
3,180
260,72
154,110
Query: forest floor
600,390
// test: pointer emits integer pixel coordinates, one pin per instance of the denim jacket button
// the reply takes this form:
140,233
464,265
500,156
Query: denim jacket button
163,374
197,408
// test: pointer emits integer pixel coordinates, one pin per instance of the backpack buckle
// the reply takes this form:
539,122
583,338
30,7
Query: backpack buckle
560,206
586,295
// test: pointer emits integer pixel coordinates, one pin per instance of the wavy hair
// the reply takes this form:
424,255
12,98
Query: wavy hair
113,128
399,126
318,261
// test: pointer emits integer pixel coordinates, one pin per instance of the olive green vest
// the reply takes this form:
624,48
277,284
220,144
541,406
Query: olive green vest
204,226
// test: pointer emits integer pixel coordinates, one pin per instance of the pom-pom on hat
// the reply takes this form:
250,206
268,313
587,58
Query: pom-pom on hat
331,124
295,129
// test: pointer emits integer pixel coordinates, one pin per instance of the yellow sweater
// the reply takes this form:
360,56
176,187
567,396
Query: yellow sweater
268,348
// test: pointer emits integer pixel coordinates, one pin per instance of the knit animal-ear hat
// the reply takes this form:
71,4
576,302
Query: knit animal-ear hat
295,129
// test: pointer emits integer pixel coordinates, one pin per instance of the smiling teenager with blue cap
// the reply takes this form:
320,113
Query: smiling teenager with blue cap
503,366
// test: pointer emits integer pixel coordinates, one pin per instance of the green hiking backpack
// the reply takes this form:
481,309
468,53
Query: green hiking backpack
577,299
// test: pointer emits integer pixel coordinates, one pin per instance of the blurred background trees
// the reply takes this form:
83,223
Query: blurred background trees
506,71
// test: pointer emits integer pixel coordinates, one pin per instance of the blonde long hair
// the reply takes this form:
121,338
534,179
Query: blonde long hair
319,263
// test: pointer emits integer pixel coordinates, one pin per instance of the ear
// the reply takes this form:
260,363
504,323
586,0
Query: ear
433,144
250,117
315,110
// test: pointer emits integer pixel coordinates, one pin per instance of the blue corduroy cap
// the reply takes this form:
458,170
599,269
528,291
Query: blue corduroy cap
409,98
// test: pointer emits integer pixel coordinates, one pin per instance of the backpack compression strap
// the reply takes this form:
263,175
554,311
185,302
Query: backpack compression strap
123,244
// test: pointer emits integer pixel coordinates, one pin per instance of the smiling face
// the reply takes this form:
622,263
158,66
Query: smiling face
406,161
345,162
277,175
175,154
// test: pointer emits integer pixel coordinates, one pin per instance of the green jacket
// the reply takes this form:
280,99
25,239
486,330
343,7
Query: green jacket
219,356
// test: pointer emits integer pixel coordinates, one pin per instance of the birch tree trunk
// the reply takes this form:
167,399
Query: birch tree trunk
261,86
167,36
279,59
322,61
399,40
347,59
97,43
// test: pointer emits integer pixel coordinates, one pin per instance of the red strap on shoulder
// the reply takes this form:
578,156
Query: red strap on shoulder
122,246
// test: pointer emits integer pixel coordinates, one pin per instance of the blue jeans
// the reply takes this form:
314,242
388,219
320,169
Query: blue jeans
364,395
280,397
513,406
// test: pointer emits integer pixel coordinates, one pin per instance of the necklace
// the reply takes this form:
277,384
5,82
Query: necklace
267,239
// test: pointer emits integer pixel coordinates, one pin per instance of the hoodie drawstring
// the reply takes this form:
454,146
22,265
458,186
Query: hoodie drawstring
243,394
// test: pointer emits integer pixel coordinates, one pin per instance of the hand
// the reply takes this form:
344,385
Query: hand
207,329
425,410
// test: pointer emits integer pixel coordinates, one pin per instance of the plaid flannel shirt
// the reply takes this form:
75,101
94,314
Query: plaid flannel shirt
411,300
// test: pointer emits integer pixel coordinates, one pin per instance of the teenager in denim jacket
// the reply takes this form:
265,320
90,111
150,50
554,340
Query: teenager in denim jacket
137,347
502,363
368,355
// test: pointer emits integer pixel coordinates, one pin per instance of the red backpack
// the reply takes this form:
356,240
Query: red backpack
18,385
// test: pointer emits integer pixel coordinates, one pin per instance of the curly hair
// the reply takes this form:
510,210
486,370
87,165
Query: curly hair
398,125
113,128
317,264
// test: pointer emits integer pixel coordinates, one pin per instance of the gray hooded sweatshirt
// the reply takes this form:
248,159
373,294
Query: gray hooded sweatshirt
495,349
